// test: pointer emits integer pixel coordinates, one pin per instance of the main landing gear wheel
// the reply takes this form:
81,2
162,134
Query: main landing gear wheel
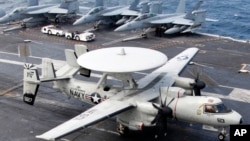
122,130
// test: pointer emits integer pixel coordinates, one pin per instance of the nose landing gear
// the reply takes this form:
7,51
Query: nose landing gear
222,135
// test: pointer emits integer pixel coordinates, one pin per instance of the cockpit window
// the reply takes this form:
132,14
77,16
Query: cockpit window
144,16
95,10
219,108
18,10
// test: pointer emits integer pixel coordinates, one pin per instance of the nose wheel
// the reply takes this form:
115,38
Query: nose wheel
222,135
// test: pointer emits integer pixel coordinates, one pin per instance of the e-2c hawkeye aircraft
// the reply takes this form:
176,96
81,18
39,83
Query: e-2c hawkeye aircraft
146,102
178,22
34,13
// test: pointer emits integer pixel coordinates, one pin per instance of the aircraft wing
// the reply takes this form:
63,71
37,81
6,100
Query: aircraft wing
51,10
58,10
93,115
172,68
130,13
179,62
173,20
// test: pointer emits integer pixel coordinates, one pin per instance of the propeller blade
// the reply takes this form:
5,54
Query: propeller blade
170,101
157,107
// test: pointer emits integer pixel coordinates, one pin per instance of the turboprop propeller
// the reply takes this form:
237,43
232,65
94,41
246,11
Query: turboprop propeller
163,113
198,85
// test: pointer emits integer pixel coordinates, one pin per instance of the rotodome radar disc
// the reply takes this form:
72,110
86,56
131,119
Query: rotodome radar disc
122,59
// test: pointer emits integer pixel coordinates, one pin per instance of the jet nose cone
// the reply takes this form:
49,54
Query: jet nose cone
80,21
77,22
120,28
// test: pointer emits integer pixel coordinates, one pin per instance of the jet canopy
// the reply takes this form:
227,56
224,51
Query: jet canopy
18,10
95,10
145,16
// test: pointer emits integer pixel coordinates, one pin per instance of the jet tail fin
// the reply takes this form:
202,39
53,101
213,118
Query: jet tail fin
144,7
30,83
181,7
33,2
133,5
71,5
99,3
190,14
156,7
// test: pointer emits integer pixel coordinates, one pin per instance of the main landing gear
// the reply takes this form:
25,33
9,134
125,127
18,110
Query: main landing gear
122,130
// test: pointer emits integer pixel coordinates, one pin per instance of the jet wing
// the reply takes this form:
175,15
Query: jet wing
58,10
130,13
51,10
173,20
116,11
93,115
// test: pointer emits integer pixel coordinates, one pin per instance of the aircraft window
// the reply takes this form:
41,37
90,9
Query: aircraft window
209,109
144,16
95,10
220,108
17,10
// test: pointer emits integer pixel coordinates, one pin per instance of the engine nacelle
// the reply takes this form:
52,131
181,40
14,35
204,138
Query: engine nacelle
174,92
184,82
135,125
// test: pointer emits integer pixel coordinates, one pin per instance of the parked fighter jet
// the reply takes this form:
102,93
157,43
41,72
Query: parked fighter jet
147,102
109,15
34,13
179,22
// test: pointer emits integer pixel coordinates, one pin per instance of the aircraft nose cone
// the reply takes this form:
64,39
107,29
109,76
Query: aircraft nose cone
120,28
241,121
77,22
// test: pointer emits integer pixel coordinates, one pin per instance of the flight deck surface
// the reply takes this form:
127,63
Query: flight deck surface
218,61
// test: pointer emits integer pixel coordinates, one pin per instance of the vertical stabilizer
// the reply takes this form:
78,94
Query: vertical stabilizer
156,7
48,71
71,5
30,84
33,2
80,49
190,14
99,3
144,7
133,5
181,7
71,57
